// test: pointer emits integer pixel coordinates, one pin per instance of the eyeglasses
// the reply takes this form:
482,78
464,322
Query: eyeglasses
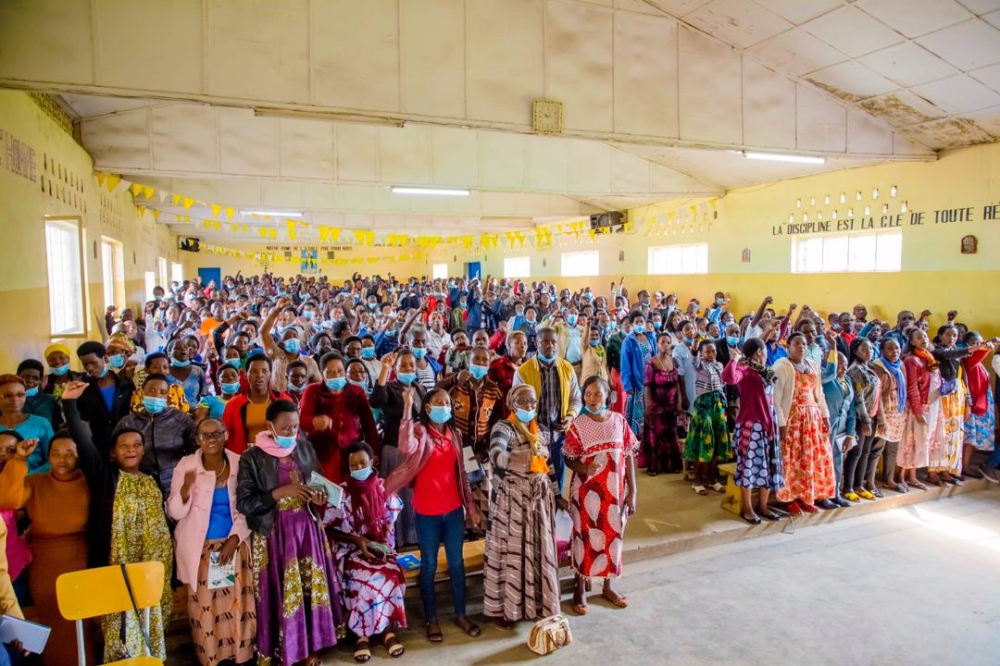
209,436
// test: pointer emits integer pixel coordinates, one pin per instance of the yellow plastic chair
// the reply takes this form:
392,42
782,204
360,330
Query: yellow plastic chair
96,592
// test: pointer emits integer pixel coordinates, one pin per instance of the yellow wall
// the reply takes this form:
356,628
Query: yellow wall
934,273
63,165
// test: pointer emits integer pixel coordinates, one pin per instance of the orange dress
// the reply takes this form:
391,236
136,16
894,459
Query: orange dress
58,540
805,449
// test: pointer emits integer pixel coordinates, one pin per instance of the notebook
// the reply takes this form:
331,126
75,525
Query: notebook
221,575
409,561
334,493
32,636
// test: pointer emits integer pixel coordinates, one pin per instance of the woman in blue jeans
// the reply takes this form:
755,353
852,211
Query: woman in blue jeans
441,496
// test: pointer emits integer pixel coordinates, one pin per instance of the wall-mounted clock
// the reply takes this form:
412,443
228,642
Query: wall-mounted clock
547,117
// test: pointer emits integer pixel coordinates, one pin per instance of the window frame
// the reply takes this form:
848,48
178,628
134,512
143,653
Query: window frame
62,287
680,261
524,258
584,257
845,253
115,286
434,271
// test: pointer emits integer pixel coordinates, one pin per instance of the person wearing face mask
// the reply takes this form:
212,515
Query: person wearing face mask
107,398
298,379
38,403
57,359
298,609
594,357
336,414
158,363
502,369
168,434
530,328
637,350
14,418
387,395
726,347
374,583
601,449
428,368
184,373
521,578
213,406
476,407
442,500
283,353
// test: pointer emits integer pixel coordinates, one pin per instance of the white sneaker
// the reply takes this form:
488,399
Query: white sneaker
990,475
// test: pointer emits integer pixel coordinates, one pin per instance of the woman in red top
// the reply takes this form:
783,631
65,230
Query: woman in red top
980,418
334,415
441,496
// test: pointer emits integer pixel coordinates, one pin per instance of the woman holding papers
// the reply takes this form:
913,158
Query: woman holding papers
212,537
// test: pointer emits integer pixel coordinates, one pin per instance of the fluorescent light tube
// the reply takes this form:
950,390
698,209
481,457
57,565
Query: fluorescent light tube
778,157
272,213
432,191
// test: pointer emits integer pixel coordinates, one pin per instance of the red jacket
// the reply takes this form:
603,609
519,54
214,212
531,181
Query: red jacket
918,383
235,419
352,421
978,380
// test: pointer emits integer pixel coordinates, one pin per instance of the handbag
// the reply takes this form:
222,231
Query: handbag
124,625
549,634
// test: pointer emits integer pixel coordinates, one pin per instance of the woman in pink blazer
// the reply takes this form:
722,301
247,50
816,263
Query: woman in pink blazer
212,549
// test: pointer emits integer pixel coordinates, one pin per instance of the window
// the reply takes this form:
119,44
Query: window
150,279
855,253
177,272
516,267
678,259
161,272
440,271
580,264
64,253
112,271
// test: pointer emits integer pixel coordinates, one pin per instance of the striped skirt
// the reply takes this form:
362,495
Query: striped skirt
224,620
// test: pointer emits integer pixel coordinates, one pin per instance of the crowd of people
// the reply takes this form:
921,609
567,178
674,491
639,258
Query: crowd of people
212,432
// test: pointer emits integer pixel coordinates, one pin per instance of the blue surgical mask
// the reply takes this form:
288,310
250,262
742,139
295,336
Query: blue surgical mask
440,414
595,343
478,371
336,383
545,359
406,378
571,319
372,306
116,361
368,352
419,352
308,314
154,405
361,474
689,341
363,384
657,325
229,388
179,364
59,370
293,346
284,442
233,363
732,341
595,412
31,393
526,415
296,389
104,373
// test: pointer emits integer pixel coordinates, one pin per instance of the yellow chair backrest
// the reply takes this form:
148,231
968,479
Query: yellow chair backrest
102,591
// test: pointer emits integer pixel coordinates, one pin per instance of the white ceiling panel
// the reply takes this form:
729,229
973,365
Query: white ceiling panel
993,18
679,7
578,46
988,119
737,22
853,32
968,45
980,7
852,81
547,164
902,109
456,157
645,93
948,132
768,107
908,64
916,17
434,76
121,139
590,166
959,94
800,11
307,149
68,56
710,90
249,145
183,137
797,52
404,156
505,168
357,153
865,134
988,75
822,122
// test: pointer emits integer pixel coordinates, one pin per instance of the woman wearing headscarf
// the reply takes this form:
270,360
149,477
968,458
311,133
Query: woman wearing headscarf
57,357
522,567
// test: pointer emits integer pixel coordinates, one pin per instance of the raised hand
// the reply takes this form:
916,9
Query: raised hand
25,448
74,390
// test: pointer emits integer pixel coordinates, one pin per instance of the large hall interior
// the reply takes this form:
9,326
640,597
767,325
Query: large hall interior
630,180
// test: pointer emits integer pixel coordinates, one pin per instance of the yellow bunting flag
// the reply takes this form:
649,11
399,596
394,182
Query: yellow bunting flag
593,233
113,182
156,214
100,178
357,261
141,210
520,237
136,189
263,232
187,218
188,202
372,260
148,192
177,200
244,228
216,209
208,224
273,233
230,211
218,225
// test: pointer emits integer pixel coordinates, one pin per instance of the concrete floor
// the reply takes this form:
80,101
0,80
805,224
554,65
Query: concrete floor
911,585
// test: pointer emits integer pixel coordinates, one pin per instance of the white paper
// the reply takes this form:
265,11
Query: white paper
32,636
219,575
471,462
334,493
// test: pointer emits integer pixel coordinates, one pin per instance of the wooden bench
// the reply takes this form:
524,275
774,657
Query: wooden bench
733,500
473,552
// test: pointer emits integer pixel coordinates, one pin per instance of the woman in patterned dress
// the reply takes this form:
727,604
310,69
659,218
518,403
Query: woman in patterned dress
924,427
637,349
600,449
946,467
666,400
374,584
522,567
758,449
298,606
892,416
202,500
707,442
980,422
804,424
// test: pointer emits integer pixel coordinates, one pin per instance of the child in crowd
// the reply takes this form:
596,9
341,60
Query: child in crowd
707,442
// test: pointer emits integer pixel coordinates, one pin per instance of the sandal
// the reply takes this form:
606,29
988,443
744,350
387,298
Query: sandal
877,493
917,484
718,487
434,635
468,626
392,645
503,624
618,600
750,520
867,495
852,497
770,516
362,651
700,489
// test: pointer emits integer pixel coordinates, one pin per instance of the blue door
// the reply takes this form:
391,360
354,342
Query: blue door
473,269
209,274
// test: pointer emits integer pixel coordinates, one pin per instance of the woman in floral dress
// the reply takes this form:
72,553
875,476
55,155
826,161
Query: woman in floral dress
892,416
665,402
298,606
600,449
804,424
980,422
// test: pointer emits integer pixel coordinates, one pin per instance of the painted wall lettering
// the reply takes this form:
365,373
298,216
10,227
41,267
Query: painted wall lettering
18,157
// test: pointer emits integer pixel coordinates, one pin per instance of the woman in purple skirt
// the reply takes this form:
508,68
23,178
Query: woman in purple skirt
666,400
298,601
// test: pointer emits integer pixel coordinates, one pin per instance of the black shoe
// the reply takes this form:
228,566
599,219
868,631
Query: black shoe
841,502
826,504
